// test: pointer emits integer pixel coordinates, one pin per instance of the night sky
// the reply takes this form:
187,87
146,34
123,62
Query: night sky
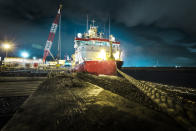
151,32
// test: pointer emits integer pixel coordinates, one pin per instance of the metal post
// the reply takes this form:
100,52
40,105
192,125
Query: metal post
59,40
60,37
6,53
109,27
87,25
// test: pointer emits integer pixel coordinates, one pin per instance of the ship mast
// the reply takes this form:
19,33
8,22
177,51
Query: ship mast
109,27
111,50
87,24
93,21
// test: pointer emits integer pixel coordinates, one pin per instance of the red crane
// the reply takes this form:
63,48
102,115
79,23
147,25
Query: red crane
52,35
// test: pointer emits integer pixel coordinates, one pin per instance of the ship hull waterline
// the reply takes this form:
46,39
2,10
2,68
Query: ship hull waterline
104,67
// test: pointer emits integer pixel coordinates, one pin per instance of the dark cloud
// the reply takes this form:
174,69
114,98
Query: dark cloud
194,46
164,13
161,13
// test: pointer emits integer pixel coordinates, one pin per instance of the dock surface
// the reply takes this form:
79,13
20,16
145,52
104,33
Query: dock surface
76,102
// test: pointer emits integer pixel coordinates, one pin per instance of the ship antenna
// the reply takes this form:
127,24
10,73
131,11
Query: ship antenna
93,21
87,24
104,30
109,26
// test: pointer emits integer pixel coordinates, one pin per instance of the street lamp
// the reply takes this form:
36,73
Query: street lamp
6,47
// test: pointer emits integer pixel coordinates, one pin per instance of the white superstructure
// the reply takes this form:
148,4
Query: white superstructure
91,46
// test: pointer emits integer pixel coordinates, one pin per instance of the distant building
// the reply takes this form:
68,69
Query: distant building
54,63
18,62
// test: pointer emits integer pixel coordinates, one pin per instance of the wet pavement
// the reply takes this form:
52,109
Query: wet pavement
18,88
13,92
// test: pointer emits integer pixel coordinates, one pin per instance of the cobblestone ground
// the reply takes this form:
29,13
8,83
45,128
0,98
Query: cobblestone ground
87,102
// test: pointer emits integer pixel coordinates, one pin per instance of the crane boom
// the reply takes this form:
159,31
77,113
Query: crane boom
51,35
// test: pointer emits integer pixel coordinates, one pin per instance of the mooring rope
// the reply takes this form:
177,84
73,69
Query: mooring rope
182,110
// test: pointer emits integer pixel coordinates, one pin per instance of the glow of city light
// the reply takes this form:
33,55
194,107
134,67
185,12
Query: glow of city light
25,54
102,55
117,55
6,46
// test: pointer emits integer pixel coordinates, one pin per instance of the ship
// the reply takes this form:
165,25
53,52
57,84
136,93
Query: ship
95,54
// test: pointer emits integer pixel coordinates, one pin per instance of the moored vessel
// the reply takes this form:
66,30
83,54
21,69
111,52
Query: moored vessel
95,54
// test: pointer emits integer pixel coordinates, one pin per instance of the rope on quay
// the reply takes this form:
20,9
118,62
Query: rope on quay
182,110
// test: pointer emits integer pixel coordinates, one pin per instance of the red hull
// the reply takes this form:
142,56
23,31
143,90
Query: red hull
98,67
